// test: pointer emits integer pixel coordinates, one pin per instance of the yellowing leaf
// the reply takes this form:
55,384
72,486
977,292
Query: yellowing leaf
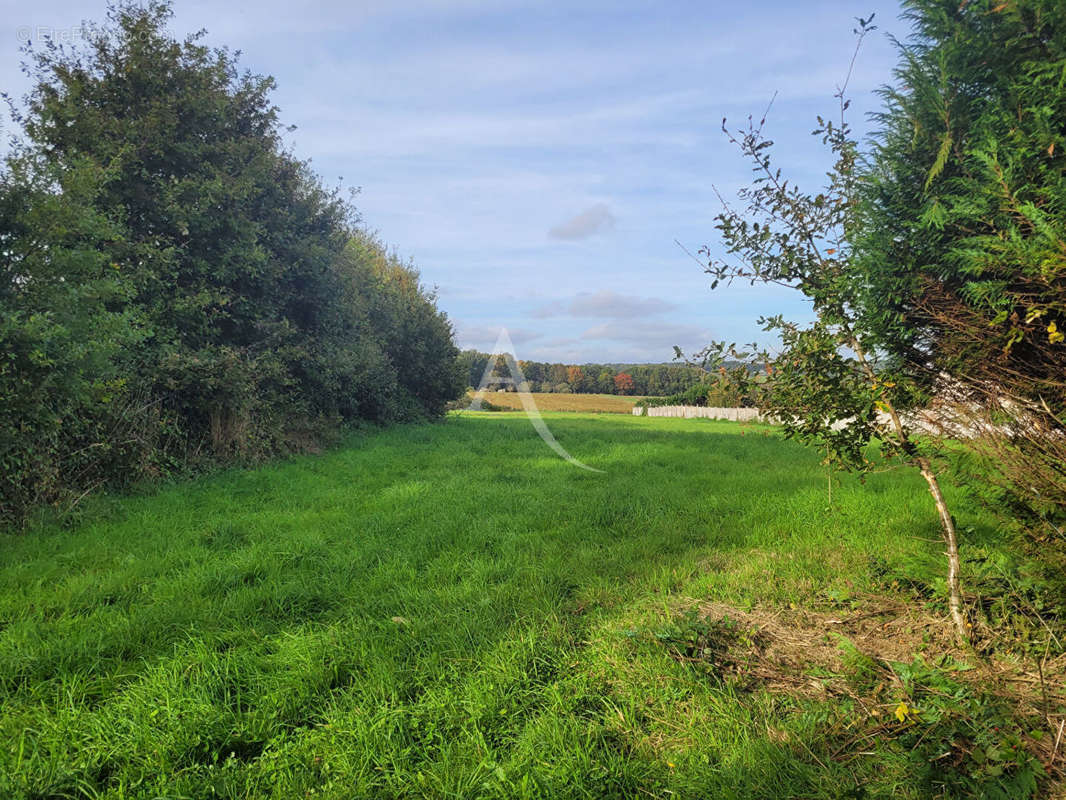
1054,335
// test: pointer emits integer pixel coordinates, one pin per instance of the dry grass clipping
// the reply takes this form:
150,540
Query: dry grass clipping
798,652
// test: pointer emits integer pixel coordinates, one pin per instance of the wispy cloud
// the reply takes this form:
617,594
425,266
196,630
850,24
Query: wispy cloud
606,304
589,222
659,336
483,337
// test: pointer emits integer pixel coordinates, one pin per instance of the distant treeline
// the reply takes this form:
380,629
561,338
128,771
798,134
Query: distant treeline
624,379
177,289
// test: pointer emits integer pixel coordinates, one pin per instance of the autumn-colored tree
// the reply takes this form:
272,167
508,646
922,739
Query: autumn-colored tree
623,383
575,376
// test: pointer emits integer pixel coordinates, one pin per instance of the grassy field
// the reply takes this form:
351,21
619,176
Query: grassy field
451,610
550,401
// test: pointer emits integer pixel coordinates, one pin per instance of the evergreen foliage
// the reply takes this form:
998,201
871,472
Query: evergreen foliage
963,237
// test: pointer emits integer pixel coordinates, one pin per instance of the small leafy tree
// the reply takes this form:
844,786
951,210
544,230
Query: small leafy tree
557,373
623,383
605,381
827,386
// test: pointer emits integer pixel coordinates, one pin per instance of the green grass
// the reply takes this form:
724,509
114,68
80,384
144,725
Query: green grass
446,610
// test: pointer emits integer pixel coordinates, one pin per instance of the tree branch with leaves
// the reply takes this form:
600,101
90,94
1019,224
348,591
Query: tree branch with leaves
829,385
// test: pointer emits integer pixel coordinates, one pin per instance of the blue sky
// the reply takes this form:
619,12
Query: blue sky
537,160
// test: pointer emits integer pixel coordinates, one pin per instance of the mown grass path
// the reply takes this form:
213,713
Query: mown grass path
442,610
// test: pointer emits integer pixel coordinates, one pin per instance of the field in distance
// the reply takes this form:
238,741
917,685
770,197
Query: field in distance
550,401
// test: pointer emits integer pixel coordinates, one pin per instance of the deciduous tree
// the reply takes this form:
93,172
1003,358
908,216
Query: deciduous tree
825,387
177,287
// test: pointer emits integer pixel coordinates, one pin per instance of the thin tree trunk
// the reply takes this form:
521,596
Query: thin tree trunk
829,473
947,524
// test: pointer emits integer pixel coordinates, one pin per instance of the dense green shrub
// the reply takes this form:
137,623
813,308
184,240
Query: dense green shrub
66,329
177,288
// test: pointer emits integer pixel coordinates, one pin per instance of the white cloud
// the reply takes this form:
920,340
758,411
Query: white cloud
606,304
589,222
656,335
483,337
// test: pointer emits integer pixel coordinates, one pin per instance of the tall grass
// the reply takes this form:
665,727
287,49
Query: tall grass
443,610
